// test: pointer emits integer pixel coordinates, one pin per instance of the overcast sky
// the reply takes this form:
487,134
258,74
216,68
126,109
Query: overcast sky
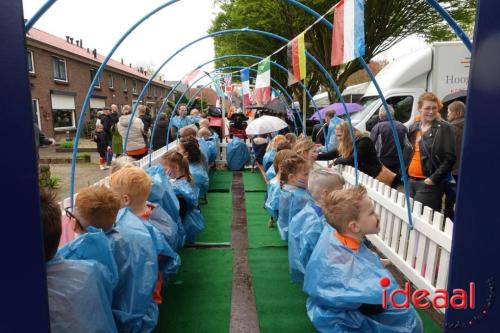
100,23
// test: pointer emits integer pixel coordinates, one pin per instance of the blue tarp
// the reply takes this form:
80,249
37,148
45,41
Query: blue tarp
192,221
237,154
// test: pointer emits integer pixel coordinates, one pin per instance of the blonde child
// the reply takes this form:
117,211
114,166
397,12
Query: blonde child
96,208
306,148
267,161
271,172
176,167
134,185
191,133
191,149
343,277
294,174
306,227
274,188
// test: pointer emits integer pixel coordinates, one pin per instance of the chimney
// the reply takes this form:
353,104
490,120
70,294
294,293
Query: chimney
122,61
130,65
67,39
78,43
88,51
81,43
94,52
71,40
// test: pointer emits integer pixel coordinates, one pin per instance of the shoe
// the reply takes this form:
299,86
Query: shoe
106,167
101,167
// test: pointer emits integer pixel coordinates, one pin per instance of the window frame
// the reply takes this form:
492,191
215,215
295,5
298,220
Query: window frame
125,88
134,86
94,70
65,69
64,128
36,101
111,81
32,71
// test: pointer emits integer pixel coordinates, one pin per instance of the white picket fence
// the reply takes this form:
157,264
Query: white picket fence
422,254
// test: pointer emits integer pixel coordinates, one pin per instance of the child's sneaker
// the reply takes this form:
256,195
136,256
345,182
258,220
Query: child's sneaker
102,167
106,167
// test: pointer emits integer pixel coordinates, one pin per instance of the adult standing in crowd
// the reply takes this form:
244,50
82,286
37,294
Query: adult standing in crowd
433,153
331,140
136,146
456,114
383,138
116,138
143,115
181,119
160,136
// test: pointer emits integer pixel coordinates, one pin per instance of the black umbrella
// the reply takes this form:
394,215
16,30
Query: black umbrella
277,106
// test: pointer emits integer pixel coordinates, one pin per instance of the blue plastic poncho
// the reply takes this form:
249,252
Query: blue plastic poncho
292,200
268,159
162,192
167,227
310,217
182,122
78,296
237,154
271,173
192,220
273,198
204,151
339,281
200,178
212,145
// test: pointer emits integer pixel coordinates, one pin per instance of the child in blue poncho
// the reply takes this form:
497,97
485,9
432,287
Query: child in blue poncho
274,188
79,291
133,253
270,154
190,149
294,173
134,185
307,225
343,276
177,168
211,142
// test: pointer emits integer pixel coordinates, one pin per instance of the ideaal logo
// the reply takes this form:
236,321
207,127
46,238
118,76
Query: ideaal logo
460,299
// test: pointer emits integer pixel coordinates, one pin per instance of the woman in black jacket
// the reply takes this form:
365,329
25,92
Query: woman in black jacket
432,153
368,161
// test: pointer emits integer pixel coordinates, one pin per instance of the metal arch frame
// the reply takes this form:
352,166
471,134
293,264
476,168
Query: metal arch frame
221,58
458,31
97,75
404,174
39,13
217,33
282,39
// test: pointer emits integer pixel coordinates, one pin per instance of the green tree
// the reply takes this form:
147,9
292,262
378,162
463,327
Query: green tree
386,23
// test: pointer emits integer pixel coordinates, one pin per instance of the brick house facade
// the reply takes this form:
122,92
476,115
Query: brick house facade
61,72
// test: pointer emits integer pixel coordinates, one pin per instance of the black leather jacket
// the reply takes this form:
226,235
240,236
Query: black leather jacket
439,144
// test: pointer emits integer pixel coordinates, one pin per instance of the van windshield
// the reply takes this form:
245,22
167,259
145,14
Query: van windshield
367,103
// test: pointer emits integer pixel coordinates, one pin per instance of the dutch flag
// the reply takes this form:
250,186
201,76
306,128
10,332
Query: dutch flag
348,39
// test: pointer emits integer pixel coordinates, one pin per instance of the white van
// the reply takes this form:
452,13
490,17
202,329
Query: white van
442,68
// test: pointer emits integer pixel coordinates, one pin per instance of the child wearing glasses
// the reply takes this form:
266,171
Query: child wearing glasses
78,290
134,186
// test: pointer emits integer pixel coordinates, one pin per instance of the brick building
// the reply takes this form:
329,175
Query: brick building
61,71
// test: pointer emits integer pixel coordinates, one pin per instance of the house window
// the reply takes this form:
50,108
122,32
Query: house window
31,65
154,91
59,69
63,112
124,84
36,111
93,72
111,83
134,87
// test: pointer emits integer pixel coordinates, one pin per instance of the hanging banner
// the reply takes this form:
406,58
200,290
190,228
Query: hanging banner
348,38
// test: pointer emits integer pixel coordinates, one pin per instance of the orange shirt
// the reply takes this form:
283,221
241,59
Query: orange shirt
415,168
147,214
350,242
139,151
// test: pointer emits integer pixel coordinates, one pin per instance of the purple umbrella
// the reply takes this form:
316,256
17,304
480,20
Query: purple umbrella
338,108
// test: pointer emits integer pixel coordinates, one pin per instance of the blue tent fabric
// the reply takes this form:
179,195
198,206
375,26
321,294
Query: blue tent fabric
193,221
78,295
268,159
200,177
237,154
309,220
273,198
160,219
292,200
339,281
270,173
162,192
